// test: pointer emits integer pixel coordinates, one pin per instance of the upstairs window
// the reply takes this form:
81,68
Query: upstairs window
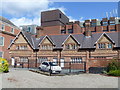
109,45
63,31
1,41
46,47
12,30
70,31
105,45
1,54
105,23
11,40
29,29
21,47
60,16
113,30
93,24
3,27
112,22
71,46
105,30
101,45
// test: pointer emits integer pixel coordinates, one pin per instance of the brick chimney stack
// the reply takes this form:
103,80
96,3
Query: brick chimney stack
87,32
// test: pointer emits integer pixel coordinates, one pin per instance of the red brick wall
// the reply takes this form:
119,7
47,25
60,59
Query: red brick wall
7,38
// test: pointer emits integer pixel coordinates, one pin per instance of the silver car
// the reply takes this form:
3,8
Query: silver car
50,66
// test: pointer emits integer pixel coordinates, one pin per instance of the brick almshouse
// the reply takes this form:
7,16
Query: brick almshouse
95,42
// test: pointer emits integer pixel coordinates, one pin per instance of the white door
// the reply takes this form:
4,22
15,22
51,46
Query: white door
62,62
55,60
13,61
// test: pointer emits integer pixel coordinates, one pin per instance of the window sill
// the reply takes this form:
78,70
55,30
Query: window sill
105,49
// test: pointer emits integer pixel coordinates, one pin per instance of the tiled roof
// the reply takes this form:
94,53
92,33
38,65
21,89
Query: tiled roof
6,21
85,42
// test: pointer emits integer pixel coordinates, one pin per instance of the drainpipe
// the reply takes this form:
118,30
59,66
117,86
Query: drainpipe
36,59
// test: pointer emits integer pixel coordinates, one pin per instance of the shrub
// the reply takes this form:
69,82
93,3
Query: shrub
114,65
4,65
114,73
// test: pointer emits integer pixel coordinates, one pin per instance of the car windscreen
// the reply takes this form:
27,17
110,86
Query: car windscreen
52,64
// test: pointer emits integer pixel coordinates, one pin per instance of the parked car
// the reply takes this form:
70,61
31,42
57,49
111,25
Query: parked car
50,66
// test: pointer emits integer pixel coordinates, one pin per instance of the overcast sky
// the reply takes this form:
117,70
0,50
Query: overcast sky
26,12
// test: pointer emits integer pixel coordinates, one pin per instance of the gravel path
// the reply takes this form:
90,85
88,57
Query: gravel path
26,79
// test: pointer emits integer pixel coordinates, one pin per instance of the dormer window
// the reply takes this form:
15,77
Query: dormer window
47,47
109,45
71,46
105,45
101,45
21,47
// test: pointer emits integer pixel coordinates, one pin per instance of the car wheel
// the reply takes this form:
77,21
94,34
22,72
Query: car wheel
40,68
50,71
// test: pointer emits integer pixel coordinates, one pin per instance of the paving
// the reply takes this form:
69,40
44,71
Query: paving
23,78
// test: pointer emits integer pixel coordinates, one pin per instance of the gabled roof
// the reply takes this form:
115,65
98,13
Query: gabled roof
28,37
72,38
59,40
106,36
48,39
6,21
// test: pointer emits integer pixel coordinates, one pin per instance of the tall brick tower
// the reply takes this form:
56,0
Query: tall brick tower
53,18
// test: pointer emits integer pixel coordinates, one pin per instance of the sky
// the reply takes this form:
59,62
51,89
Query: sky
26,12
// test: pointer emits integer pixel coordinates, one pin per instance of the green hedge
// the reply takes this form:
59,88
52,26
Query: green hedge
114,65
113,68
114,73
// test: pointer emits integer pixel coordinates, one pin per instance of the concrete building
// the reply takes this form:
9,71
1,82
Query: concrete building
29,28
8,32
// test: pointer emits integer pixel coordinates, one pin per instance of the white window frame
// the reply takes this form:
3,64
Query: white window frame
2,26
11,30
2,53
23,59
3,41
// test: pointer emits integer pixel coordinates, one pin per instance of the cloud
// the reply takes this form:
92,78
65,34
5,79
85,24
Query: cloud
19,8
25,21
26,12
62,9
72,19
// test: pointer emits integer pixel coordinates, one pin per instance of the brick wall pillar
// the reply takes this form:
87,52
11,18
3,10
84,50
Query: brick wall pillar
59,56
87,61
119,54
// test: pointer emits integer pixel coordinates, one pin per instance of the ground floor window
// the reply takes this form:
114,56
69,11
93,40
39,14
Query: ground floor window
41,59
76,59
100,57
1,54
23,59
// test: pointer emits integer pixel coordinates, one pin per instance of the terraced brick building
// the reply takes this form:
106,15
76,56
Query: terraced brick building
58,40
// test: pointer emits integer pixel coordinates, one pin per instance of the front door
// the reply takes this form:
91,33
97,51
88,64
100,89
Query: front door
62,62
13,61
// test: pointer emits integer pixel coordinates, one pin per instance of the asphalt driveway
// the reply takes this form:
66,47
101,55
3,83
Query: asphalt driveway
22,78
